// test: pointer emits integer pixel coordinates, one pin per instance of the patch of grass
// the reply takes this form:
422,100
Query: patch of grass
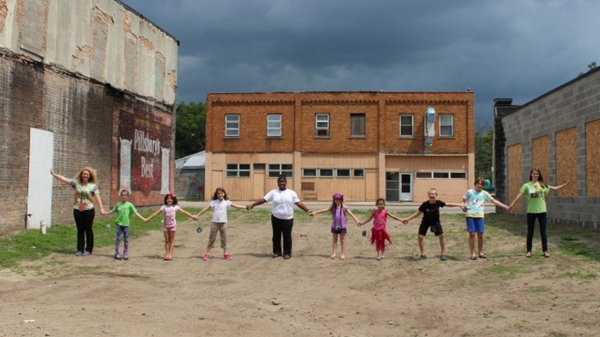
581,276
557,334
84,269
537,289
506,271
32,245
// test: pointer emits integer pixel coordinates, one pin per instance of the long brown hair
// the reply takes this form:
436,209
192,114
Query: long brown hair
540,178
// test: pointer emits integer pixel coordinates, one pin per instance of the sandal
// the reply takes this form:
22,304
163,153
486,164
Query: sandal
227,257
473,257
528,255
482,256
206,257
546,255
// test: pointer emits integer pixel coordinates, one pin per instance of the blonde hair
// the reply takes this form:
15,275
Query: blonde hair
92,172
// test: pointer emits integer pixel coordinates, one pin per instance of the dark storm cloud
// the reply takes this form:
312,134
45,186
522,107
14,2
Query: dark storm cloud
517,49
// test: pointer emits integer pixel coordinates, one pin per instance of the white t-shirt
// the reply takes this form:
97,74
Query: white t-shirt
220,210
283,203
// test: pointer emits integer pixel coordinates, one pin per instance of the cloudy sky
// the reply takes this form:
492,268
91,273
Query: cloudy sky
514,48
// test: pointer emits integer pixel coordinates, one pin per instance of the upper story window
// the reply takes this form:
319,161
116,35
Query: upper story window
406,125
232,125
357,125
238,170
446,125
322,125
275,170
274,125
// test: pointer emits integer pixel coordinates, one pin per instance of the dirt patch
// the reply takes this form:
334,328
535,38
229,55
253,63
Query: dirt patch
310,294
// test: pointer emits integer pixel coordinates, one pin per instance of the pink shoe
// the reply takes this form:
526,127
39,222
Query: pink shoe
206,257
227,256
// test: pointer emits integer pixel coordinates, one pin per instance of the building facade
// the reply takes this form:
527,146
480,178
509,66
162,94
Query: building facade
366,145
557,133
82,83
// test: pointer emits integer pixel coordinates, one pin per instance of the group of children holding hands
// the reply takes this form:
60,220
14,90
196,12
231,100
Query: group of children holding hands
472,203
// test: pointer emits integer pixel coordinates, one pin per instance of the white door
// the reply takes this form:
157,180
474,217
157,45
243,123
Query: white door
406,187
39,196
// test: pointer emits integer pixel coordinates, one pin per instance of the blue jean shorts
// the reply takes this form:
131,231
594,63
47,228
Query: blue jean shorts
475,225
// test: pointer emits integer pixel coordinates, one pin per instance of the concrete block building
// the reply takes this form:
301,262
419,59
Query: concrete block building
82,83
556,132
366,145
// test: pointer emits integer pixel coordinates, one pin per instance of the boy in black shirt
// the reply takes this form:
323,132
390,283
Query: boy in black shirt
431,219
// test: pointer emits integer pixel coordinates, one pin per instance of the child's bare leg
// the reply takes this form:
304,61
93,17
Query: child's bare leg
166,234
472,244
343,242
480,243
334,245
171,243
442,244
421,245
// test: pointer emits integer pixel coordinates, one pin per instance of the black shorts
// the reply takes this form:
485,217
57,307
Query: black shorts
436,228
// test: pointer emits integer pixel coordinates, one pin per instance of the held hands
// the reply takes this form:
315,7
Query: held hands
249,207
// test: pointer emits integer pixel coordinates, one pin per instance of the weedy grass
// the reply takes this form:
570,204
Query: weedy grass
31,245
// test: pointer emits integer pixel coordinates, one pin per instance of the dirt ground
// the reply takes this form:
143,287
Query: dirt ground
310,294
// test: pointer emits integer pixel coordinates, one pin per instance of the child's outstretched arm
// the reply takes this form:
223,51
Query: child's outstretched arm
204,210
452,204
188,214
238,206
107,213
138,215
366,221
320,211
352,215
394,217
556,188
152,215
512,204
499,204
412,216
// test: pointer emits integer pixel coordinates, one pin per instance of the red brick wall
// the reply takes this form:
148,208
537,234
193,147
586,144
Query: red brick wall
84,117
382,112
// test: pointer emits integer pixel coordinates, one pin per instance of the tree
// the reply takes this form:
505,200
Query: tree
591,67
190,129
484,145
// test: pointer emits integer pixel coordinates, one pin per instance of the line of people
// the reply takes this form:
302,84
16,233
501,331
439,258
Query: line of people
282,217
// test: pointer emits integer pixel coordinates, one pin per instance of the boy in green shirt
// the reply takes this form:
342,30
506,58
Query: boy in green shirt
123,209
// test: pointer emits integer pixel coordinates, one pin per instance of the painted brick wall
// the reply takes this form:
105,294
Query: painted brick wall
87,121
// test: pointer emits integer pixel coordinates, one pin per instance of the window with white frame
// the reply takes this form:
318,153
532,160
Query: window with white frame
274,125
232,125
406,125
441,175
275,170
358,173
309,172
322,125
446,125
343,173
357,125
326,173
238,170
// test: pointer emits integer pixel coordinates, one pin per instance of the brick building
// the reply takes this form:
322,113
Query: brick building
82,83
556,132
364,144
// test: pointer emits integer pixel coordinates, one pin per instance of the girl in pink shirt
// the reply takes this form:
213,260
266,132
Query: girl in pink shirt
379,232
170,208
